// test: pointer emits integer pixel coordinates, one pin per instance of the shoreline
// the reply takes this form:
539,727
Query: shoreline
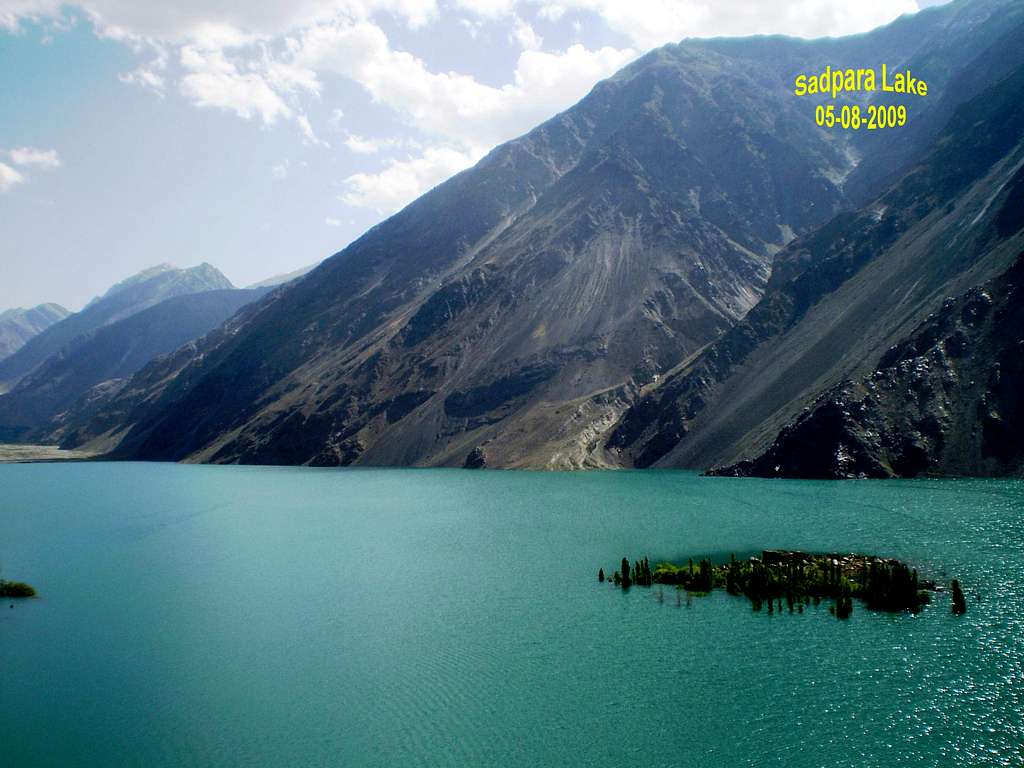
16,453
25,453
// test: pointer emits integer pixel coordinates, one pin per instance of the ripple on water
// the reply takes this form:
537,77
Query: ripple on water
377,618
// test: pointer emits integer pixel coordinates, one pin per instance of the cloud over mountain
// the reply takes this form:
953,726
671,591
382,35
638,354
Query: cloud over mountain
266,62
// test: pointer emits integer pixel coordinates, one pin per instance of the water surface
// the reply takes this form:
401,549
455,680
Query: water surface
237,616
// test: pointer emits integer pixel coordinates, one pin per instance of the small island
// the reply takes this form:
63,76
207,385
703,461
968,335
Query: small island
792,579
16,589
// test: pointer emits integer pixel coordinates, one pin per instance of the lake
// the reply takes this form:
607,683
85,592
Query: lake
257,616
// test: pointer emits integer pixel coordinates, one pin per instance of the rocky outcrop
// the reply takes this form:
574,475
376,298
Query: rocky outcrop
946,401
476,459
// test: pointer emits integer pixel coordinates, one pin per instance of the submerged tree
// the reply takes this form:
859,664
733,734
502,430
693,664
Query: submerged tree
959,601
600,574
844,605
732,577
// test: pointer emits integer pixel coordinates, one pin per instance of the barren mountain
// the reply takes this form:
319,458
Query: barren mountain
17,326
512,315
840,297
945,401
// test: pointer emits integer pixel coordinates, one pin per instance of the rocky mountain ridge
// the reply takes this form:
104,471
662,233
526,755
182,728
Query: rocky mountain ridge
594,293
17,326
841,296
946,401
122,300
34,410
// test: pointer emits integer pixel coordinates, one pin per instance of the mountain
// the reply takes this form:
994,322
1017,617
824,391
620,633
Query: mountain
947,400
543,308
839,298
122,300
109,355
276,280
17,326
146,275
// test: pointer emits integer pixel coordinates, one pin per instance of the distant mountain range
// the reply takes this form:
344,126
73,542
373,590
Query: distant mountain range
123,300
17,326
667,274
34,410
276,280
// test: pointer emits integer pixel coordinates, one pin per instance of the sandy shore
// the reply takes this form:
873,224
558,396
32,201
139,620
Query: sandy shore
11,453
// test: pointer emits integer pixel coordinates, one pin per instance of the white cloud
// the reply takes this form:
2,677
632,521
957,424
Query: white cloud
148,75
551,11
451,105
402,181
216,41
31,156
144,77
9,177
25,157
264,61
12,12
525,36
650,23
472,27
492,9
215,22
646,23
466,116
362,145
308,134
215,81
331,222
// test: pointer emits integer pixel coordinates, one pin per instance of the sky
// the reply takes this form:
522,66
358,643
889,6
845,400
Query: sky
262,136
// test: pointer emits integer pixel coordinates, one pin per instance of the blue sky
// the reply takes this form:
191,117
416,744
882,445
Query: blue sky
263,136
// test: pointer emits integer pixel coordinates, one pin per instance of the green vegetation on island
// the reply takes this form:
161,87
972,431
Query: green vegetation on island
796,579
16,589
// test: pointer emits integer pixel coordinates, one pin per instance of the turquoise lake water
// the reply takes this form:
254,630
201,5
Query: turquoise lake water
236,616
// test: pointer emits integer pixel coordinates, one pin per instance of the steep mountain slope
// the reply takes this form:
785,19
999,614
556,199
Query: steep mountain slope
113,352
510,315
839,298
17,326
606,244
946,401
963,49
124,299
